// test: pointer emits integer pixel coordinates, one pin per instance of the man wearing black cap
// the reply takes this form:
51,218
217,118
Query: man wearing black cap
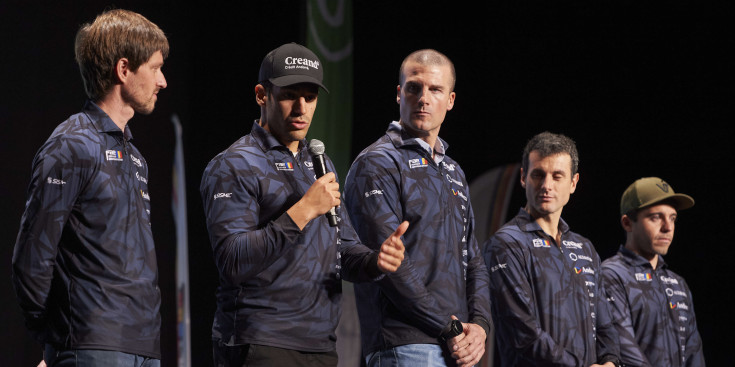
652,306
280,263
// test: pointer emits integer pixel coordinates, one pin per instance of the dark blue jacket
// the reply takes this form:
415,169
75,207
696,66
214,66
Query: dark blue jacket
279,286
548,305
652,311
84,264
443,274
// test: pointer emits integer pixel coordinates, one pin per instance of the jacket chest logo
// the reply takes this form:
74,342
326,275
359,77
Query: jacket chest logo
114,155
284,166
418,163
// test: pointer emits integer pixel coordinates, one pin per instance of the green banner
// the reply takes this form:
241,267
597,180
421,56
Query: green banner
329,35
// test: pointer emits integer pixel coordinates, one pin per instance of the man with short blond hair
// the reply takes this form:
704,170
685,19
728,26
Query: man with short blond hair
434,311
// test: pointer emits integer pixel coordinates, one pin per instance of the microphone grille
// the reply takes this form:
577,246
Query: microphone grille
316,147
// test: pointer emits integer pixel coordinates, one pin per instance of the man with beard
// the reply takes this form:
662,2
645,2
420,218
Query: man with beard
84,263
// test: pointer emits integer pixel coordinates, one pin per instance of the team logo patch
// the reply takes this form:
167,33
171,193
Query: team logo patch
284,166
643,277
114,155
417,163
540,242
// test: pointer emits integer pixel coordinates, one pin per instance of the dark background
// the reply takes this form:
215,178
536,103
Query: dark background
645,89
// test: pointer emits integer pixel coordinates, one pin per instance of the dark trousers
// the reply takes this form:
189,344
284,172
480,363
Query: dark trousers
254,355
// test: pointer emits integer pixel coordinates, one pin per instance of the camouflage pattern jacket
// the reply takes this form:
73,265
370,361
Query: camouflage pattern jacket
652,311
84,264
279,286
443,274
548,305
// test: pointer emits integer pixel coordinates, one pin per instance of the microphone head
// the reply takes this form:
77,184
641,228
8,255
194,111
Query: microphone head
316,147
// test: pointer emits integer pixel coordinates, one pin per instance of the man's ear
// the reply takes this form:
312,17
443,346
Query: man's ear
523,179
398,94
627,223
260,95
122,69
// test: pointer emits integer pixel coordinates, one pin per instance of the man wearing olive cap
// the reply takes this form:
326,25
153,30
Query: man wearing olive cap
651,305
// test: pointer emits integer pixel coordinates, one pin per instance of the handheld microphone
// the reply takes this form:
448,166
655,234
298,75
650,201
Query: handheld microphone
316,150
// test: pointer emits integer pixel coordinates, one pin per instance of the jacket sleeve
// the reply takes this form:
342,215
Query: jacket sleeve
58,176
694,352
516,322
372,197
359,262
478,291
242,247
608,344
616,291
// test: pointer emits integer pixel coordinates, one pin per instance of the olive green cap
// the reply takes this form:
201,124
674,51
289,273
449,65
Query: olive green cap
651,190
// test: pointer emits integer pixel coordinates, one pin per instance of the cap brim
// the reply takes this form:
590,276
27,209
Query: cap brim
286,80
681,201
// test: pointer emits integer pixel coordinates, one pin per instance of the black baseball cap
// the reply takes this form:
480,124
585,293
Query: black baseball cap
291,64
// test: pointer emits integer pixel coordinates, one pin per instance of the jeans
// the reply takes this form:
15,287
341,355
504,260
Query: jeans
411,355
95,358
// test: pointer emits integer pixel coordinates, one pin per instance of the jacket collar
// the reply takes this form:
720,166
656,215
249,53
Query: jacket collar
102,122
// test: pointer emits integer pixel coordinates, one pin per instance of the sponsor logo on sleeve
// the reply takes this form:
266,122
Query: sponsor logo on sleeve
670,292
114,155
373,192
459,193
141,178
221,195
584,270
136,161
497,267
454,181
417,163
679,305
284,166
540,242
576,257
56,181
